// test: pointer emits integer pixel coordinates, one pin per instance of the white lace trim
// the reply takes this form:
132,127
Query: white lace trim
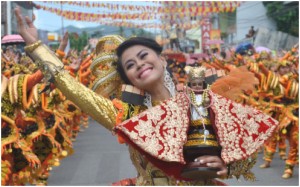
169,84
147,101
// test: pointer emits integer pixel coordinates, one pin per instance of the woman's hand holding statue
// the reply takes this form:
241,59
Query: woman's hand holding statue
212,162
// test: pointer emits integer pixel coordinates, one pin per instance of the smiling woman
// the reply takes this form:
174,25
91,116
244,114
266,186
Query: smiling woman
156,130
141,65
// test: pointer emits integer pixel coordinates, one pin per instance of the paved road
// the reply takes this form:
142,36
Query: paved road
99,160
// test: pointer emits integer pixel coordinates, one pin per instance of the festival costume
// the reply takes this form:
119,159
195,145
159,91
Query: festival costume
269,94
278,96
32,139
156,136
289,121
284,107
16,151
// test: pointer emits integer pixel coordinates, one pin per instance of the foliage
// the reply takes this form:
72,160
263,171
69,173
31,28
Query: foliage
133,32
286,16
121,31
97,34
78,42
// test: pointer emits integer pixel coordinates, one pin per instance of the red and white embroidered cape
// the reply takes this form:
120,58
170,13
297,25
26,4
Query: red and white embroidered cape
160,132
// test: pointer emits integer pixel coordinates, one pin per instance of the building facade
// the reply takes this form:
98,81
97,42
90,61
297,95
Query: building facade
8,18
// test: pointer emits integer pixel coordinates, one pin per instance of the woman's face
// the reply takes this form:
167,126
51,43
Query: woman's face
143,67
197,84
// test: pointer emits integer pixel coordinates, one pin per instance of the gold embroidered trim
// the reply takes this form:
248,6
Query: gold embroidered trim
201,142
243,168
200,122
32,47
198,135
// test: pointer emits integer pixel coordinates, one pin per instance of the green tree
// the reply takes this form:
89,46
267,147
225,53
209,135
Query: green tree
121,31
97,34
133,32
74,41
141,32
286,16
78,41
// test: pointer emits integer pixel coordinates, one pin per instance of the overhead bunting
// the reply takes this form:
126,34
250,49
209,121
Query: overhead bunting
165,6
190,7
117,14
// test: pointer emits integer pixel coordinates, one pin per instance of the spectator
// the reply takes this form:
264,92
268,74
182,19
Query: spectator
251,32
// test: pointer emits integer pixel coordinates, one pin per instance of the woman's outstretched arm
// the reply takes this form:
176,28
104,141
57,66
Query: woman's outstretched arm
98,107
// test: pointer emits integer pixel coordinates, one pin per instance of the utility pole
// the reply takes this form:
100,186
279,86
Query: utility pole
62,20
9,17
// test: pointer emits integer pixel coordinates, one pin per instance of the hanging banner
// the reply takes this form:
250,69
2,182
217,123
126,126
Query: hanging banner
205,28
215,35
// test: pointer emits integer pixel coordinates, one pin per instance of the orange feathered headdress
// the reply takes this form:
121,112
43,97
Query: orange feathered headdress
235,83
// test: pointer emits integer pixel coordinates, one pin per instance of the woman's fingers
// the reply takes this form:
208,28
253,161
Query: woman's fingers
31,28
213,162
21,25
29,22
207,158
223,171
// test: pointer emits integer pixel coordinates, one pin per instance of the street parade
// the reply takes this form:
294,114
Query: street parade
191,103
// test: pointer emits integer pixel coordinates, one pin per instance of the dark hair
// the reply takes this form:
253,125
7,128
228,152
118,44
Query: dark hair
152,44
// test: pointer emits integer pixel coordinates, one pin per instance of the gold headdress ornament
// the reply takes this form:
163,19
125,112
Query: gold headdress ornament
195,72
108,80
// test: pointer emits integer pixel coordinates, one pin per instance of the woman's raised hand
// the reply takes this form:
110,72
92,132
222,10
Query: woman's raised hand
26,30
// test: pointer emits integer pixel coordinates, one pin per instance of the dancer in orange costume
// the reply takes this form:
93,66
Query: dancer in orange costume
289,120
17,155
287,108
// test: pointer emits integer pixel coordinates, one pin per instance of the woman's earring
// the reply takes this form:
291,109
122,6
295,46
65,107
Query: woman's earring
168,82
